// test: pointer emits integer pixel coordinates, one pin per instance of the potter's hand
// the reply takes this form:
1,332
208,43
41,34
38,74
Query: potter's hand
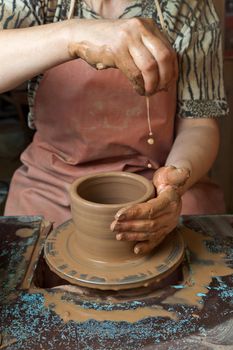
135,46
149,223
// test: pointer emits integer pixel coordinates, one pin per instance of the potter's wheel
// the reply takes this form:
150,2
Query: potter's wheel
61,256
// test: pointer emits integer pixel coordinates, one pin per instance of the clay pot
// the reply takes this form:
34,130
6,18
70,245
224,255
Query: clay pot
95,200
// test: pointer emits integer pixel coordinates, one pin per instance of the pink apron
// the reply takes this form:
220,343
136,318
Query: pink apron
91,121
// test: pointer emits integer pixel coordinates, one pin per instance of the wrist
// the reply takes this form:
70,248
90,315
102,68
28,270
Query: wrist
69,33
80,34
58,39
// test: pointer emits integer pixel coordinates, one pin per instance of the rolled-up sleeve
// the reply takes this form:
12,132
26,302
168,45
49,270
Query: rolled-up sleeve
199,48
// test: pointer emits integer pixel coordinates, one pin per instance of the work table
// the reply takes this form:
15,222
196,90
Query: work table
31,318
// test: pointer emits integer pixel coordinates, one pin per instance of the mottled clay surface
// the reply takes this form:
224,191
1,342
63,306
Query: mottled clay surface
95,200
194,314
70,263
85,251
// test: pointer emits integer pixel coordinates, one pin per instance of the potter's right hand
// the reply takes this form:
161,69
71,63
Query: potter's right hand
135,46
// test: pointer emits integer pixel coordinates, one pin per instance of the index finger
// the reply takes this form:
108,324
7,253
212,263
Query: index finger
131,71
164,56
138,211
148,210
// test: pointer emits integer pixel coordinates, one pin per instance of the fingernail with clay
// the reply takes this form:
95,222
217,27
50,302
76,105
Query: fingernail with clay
113,225
121,217
180,170
136,250
100,66
118,237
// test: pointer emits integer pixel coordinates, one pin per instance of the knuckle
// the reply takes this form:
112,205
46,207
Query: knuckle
150,66
124,36
142,236
127,227
135,211
125,237
128,27
136,21
151,212
165,56
152,225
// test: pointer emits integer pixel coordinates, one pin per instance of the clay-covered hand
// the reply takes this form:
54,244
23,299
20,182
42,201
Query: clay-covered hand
149,223
136,46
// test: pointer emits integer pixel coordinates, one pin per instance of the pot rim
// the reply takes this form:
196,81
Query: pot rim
149,189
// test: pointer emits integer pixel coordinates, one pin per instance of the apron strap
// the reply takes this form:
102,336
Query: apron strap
71,10
160,14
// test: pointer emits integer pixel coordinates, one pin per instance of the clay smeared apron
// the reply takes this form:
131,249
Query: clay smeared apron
90,121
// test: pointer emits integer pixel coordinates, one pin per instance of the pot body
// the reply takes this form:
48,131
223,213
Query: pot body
95,200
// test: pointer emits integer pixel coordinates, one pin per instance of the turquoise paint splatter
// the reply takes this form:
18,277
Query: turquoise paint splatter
178,286
39,321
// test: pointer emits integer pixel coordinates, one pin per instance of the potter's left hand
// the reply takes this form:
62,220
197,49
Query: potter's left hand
149,223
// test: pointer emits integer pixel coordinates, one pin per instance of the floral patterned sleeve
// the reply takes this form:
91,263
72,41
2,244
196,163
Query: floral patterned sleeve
196,37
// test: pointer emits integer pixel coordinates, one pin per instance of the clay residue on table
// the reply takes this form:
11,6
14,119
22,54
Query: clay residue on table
203,265
24,232
77,267
19,256
70,311
29,234
34,252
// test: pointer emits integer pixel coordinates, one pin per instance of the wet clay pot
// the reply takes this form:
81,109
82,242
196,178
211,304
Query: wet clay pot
95,200
85,252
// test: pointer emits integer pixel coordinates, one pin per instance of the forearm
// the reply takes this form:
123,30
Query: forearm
31,51
135,46
195,147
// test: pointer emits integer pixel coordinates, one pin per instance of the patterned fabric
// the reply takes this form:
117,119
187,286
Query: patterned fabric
192,28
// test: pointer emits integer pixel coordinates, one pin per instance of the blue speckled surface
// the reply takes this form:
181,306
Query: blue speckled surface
40,323
27,324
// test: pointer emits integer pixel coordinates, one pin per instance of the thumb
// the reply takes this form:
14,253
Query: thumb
170,176
177,176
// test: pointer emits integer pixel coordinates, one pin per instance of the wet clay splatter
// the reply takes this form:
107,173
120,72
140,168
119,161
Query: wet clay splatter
35,319
201,266
24,232
87,311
